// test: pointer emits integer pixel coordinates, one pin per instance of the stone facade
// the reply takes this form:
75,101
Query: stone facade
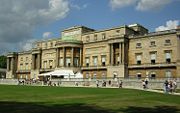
125,51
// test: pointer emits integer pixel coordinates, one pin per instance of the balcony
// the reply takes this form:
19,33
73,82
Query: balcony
149,65
23,71
46,69
93,67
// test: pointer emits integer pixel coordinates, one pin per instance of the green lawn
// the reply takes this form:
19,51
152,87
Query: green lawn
27,99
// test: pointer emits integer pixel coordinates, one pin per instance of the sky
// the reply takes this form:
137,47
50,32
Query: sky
22,22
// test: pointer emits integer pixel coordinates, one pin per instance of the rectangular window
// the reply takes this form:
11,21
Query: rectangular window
168,74
26,58
138,59
94,75
95,37
68,62
167,42
139,75
26,67
168,57
153,57
103,60
50,64
95,60
87,61
103,36
87,38
138,45
21,66
153,75
152,43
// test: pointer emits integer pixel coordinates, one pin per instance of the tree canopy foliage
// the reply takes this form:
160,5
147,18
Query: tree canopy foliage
3,61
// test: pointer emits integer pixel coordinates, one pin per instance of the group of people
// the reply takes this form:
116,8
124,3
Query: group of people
170,86
118,83
145,83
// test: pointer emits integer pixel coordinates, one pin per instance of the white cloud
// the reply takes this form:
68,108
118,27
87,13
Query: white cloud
47,35
121,3
145,5
171,24
141,5
75,6
19,18
27,45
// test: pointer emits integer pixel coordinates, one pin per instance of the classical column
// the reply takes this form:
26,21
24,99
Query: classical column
109,54
33,60
72,56
12,63
123,52
120,53
38,61
112,55
64,56
57,57
80,56
8,64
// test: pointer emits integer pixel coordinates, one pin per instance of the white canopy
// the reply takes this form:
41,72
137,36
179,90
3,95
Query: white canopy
59,73
78,75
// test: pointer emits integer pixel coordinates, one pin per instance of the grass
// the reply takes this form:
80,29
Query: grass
30,99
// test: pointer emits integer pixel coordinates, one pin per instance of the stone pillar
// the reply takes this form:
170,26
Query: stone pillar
109,54
80,56
72,56
57,57
38,61
33,60
8,64
64,56
112,55
12,63
120,53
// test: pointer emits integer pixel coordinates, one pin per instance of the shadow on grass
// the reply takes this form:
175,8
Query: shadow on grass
21,107
156,109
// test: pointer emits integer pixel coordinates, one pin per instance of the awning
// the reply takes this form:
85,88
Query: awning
59,73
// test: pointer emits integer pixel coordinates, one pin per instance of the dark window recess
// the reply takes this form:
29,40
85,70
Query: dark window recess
139,76
50,67
118,63
168,60
153,76
153,61
69,64
103,64
87,64
139,62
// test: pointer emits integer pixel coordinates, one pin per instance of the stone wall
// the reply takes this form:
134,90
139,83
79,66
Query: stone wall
127,83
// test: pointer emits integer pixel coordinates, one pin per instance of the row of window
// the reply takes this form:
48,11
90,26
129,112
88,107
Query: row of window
153,43
168,74
94,76
26,67
26,59
95,60
95,37
153,57
46,44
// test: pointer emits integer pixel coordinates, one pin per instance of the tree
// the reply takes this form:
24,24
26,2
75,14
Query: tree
3,61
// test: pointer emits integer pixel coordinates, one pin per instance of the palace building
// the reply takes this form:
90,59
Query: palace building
124,51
